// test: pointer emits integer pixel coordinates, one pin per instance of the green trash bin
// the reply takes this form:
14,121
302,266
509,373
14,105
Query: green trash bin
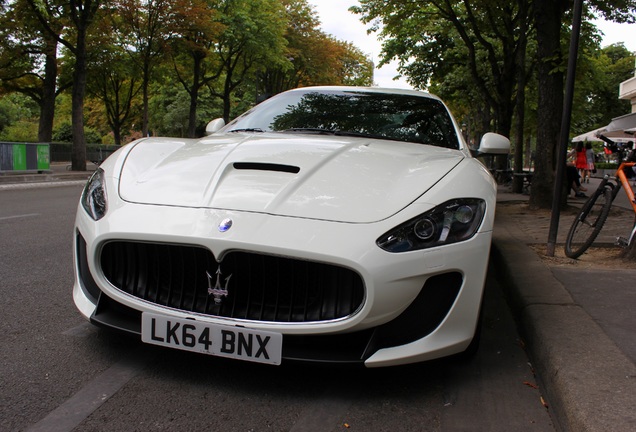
24,157
43,157
19,157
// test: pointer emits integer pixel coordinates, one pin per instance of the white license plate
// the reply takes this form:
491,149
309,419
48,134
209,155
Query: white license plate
219,340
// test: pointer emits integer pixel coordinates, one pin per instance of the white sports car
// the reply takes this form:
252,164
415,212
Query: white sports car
327,224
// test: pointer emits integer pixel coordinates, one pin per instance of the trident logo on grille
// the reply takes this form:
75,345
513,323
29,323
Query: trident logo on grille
217,291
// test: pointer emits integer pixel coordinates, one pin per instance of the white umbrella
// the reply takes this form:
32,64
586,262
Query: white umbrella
620,129
591,135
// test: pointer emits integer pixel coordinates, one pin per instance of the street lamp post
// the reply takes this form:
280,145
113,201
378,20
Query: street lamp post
565,128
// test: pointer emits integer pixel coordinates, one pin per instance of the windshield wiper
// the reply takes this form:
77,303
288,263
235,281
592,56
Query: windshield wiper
359,134
247,130
322,131
335,132
312,130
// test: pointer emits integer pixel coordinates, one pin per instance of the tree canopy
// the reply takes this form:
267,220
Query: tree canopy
501,63
130,68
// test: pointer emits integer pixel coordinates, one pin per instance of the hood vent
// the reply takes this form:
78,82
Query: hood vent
258,166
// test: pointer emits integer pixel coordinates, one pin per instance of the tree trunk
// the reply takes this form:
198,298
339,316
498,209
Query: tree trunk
78,156
144,115
548,16
517,181
117,134
194,96
47,103
227,95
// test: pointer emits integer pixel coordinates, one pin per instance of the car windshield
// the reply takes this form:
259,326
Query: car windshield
392,116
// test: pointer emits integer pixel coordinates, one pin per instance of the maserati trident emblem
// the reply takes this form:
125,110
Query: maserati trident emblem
225,225
217,291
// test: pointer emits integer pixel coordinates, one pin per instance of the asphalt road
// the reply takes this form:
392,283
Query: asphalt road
59,373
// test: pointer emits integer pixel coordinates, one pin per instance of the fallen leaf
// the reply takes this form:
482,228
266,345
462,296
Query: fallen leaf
529,384
543,402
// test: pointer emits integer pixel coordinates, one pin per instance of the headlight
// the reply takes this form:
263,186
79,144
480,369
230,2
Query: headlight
451,222
94,195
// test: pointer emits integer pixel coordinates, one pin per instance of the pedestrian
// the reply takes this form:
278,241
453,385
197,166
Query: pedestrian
573,182
589,155
580,158
573,178
607,152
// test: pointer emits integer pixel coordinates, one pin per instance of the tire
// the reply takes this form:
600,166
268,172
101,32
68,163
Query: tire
588,222
473,348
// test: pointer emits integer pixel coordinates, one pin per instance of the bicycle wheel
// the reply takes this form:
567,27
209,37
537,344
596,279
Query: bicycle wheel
588,222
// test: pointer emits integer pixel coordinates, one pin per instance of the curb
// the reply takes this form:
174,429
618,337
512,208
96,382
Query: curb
590,385
38,185
45,179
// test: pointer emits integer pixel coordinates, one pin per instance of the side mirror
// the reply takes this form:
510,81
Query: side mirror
492,143
214,126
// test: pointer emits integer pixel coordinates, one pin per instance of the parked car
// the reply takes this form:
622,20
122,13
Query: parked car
327,224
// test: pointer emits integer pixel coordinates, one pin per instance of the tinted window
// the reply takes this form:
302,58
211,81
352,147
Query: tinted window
383,115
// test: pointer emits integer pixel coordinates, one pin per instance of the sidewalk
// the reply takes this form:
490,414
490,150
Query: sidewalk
576,317
59,172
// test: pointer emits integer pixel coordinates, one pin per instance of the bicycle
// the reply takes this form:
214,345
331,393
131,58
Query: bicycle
593,214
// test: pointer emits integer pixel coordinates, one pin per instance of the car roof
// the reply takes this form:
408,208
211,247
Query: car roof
369,90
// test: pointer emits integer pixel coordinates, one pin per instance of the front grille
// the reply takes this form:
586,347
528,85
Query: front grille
260,287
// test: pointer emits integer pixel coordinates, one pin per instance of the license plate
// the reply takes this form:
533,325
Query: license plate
214,339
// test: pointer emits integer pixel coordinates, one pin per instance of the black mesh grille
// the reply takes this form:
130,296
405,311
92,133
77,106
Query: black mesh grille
260,287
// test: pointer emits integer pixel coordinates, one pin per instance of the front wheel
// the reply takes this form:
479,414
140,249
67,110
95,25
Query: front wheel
588,222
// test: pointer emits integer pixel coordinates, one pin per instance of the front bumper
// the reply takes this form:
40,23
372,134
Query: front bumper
417,306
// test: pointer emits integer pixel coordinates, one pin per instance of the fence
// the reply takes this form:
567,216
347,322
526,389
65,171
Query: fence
61,152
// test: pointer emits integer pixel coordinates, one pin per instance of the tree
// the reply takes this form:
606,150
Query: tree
599,75
345,64
79,15
300,34
14,107
251,38
428,38
169,107
28,62
316,58
142,27
113,81
196,30
466,51
549,16
483,36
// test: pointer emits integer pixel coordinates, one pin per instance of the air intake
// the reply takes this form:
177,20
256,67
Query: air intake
258,166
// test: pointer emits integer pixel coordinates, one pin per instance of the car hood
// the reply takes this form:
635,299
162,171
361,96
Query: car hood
344,179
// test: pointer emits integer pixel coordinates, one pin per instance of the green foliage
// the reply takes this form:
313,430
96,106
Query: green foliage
465,50
606,165
252,38
599,76
315,58
64,133
15,107
136,48
169,110
116,84
18,118
108,139
20,131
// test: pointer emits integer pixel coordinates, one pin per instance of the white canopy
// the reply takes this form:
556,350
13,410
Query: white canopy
620,129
